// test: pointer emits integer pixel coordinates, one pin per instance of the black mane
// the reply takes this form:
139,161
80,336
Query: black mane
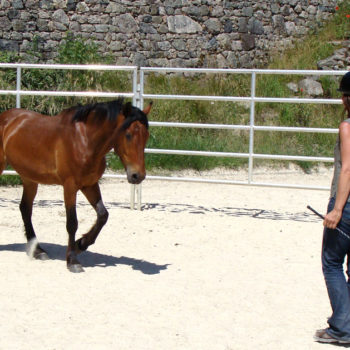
110,110
133,114
103,110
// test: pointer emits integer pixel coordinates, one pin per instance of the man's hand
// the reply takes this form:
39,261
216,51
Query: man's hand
332,219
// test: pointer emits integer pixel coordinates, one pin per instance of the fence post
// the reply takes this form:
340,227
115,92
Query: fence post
18,87
136,189
251,130
141,85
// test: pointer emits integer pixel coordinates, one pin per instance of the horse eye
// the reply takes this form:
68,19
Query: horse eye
128,136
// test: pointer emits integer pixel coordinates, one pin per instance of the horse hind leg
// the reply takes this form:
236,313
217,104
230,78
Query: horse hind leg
26,207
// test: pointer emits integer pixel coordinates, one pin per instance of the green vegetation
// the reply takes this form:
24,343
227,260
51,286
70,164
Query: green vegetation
10,180
74,50
304,55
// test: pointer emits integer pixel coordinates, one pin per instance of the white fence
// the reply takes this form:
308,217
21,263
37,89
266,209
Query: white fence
252,100
138,95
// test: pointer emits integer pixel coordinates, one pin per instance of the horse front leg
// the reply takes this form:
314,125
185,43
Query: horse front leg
26,207
93,195
70,195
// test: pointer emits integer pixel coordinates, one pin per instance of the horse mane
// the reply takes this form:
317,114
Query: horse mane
103,110
133,114
109,110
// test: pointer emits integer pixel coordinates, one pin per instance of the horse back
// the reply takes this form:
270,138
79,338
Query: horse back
14,113
28,143
22,124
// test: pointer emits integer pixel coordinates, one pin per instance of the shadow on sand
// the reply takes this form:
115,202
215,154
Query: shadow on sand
256,213
91,259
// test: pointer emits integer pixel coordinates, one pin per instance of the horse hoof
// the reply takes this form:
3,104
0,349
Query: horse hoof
75,268
34,251
41,256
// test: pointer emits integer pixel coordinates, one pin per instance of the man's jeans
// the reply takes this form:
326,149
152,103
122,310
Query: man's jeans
334,249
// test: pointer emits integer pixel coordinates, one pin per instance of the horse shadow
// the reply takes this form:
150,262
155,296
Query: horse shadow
92,259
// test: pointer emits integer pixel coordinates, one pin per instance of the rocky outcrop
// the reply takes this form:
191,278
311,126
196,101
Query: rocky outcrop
340,60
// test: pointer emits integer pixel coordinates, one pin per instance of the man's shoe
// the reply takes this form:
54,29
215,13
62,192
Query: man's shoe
323,337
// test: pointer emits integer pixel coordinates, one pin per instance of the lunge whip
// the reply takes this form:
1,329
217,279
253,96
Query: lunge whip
322,217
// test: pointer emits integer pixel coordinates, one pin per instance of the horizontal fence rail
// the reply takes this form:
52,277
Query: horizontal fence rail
138,96
18,92
237,155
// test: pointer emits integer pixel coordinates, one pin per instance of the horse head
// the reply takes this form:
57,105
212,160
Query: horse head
131,142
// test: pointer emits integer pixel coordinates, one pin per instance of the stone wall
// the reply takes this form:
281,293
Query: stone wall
178,33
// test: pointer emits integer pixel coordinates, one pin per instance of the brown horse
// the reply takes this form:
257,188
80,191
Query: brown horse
69,149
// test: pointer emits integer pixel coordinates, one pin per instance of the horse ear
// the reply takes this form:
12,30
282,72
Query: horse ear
127,109
148,108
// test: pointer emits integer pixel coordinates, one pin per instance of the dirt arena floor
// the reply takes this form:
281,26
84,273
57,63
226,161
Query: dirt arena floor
201,267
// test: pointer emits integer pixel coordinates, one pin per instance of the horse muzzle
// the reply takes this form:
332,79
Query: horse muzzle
135,177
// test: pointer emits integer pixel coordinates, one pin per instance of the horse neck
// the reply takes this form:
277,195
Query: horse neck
97,138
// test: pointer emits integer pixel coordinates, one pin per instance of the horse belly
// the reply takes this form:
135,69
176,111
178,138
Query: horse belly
35,171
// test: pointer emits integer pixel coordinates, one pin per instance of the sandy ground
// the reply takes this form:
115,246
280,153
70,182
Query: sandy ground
202,266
